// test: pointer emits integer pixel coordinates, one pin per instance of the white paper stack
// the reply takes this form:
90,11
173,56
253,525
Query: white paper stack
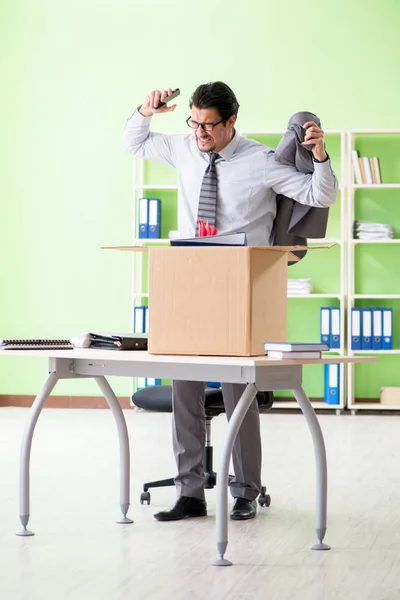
299,287
372,231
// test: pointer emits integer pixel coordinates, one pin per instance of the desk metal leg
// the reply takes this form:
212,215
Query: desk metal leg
26,451
223,472
321,467
123,445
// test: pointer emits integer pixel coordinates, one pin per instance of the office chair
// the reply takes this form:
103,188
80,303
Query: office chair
159,398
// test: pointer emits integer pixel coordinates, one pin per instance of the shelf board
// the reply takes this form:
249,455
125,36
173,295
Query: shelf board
312,241
151,240
375,186
390,241
155,187
372,406
373,131
378,352
338,296
375,296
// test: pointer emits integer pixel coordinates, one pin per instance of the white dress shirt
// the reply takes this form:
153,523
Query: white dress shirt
248,180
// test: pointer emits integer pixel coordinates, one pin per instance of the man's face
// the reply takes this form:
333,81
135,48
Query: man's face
216,139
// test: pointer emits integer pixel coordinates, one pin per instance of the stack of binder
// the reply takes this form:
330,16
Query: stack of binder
149,218
371,328
330,326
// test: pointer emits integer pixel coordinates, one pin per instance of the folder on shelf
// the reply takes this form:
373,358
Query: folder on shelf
331,387
325,325
366,329
146,319
150,381
143,228
154,218
141,382
139,319
335,327
387,329
356,329
376,329
356,167
367,170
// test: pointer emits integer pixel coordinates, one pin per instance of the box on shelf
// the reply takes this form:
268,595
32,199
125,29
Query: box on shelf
217,300
390,395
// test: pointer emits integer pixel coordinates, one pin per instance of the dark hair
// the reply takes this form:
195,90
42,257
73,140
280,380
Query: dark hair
216,95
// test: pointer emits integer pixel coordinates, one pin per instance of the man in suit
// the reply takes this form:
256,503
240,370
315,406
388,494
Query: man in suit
233,182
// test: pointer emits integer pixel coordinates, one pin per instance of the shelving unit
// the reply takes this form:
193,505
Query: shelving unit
373,265
330,281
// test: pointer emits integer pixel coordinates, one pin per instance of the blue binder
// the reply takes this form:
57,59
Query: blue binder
154,218
146,319
366,329
356,329
376,329
139,319
143,218
150,381
335,327
387,329
325,320
332,383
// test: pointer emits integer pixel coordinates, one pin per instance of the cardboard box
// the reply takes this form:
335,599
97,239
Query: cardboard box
217,300
390,395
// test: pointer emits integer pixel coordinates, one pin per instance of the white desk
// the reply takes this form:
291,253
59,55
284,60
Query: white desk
259,373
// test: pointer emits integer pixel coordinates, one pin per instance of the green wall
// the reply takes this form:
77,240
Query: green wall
72,72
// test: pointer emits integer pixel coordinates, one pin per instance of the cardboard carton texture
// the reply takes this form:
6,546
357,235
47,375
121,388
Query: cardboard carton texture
217,301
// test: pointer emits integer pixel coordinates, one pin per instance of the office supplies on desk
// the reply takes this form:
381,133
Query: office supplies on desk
205,229
154,218
387,329
224,239
356,329
36,344
302,354
296,346
143,220
110,342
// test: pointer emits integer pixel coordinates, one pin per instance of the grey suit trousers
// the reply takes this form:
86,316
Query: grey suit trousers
188,421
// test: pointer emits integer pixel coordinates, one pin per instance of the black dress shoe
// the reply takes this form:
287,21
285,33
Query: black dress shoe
185,507
243,509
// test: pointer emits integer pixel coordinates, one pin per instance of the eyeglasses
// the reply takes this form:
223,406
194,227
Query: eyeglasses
205,126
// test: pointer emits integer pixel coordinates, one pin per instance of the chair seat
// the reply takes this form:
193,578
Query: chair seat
159,398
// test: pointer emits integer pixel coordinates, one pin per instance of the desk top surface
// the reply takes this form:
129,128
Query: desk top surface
140,357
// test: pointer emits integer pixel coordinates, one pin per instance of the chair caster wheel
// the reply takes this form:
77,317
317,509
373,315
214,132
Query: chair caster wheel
145,497
264,499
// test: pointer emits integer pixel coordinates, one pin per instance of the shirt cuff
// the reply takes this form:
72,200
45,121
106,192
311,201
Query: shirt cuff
139,118
321,161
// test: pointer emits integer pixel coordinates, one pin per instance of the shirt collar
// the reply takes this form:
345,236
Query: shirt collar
229,150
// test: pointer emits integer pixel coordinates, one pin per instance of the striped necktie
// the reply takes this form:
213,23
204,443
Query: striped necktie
208,194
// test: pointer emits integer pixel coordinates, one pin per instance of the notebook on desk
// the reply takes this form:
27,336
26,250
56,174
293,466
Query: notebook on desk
36,344
225,239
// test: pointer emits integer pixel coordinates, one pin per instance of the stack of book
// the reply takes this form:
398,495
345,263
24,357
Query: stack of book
295,349
366,170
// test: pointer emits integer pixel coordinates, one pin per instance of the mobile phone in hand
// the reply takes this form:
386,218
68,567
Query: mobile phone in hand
174,94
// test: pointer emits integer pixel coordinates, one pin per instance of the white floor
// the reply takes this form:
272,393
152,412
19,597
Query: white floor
80,553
